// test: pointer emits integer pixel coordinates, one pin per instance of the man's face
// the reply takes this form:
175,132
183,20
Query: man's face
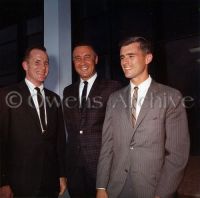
84,59
135,62
36,66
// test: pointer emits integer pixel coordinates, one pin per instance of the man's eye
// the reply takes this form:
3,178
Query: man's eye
77,59
87,57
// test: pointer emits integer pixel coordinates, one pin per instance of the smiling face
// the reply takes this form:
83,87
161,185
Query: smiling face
84,59
135,62
36,66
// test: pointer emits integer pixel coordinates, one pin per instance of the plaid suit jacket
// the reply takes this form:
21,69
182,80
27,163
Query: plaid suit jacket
85,146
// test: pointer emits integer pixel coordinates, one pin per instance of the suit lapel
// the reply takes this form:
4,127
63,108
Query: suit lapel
147,104
124,109
126,102
76,95
49,105
94,89
28,103
75,103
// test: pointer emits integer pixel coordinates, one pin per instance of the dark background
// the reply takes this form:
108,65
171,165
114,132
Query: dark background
173,26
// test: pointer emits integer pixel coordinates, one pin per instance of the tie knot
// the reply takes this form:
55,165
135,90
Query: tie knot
85,82
37,89
136,88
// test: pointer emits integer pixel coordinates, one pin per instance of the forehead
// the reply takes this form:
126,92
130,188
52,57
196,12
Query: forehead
133,47
38,53
81,50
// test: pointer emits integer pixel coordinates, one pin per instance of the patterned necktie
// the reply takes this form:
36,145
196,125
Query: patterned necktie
41,109
134,102
84,95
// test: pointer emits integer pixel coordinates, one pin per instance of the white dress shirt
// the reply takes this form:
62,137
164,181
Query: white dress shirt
90,83
33,93
142,91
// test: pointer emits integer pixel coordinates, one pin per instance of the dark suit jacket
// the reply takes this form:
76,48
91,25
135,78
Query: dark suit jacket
154,153
86,146
31,161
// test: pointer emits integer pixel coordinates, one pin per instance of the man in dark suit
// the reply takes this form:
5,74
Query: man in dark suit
145,140
84,112
32,134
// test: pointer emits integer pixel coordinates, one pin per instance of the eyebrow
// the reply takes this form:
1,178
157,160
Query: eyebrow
128,54
86,55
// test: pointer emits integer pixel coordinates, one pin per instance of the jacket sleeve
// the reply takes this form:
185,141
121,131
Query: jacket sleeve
106,153
4,127
61,141
176,148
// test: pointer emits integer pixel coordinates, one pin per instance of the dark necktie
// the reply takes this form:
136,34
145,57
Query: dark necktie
134,102
41,108
84,95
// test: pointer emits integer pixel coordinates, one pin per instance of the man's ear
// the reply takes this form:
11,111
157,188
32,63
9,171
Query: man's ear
149,58
25,65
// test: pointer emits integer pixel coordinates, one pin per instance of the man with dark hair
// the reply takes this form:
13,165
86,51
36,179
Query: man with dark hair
32,134
84,105
145,140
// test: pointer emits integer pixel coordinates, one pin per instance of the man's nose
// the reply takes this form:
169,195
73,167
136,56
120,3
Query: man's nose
82,60
44,65
125,60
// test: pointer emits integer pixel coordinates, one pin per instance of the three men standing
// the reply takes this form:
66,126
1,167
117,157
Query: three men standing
144,144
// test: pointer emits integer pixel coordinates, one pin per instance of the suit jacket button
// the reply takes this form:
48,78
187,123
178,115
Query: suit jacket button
131,147
81,132
126,170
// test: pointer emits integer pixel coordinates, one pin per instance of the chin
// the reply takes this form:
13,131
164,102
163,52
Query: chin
128,76
85,77
41,80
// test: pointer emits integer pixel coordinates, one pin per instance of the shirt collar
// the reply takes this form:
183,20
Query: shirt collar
145,84
90,80
31,86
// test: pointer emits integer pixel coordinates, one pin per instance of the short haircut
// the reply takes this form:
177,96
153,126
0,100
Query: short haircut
145,45
84,43
29,49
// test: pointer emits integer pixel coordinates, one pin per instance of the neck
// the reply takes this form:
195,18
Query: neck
37,84
139,80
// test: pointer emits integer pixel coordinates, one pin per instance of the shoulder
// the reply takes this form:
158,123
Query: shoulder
71,88
108,84
51,93
11,96
122,91
52,99
13,88
165,89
